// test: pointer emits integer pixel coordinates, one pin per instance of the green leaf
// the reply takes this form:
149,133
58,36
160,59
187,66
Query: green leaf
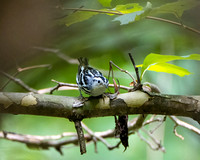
132,14
152,60
78,16
139,13
131,8
176,8
105,3
169,68
128,18
84,14
128,8
147,10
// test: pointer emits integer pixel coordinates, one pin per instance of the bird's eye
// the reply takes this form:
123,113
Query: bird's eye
98,81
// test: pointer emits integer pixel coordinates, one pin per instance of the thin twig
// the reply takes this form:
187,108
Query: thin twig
173,22
92,10
19,82
178,122
52,141
121,87
95,145
19,70
63,88
161,122
8,81
146,141
122,70
61,84
176,133
159,146
78,9
36,137
136,68
70,86
150,144
59,54
56,140
98,137
152,120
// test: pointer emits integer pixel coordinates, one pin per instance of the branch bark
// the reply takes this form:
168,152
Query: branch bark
127,103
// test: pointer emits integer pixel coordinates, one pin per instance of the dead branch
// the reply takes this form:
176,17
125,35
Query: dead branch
57,141
19,70
19,82
158,147
161,122
178,122
81,138
95,137
59,54
70,86
122,70
155,141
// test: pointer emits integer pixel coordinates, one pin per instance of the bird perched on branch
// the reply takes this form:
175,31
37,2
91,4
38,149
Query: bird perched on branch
93,83
90,80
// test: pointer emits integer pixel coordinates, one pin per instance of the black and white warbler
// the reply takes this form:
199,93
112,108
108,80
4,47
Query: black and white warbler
90,80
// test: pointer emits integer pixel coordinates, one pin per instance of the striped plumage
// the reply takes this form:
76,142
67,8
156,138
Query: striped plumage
90,80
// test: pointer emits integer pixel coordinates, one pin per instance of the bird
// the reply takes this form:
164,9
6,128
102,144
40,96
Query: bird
90,80
93,83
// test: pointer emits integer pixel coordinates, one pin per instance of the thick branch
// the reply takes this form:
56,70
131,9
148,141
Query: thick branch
128,103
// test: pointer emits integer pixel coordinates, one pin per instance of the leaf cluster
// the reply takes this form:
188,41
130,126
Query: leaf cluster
129,13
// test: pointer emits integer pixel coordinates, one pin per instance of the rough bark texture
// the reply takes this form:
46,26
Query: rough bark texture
128,103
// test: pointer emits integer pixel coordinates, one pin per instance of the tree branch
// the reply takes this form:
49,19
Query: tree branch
127,103
147,17
19,70
81,138
173,22
71,86
60,54
95,137
92,10
57,141
155,141
178,122
19,82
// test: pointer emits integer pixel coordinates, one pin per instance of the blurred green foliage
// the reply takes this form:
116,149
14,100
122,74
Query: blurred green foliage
101,40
